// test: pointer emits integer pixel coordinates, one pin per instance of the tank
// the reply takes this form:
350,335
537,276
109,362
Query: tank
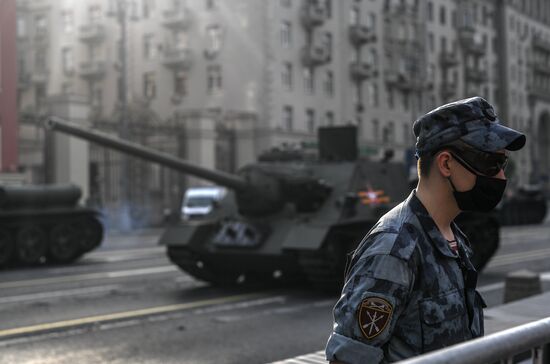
45,224
288,217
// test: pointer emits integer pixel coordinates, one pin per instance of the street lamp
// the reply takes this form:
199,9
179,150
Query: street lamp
122,11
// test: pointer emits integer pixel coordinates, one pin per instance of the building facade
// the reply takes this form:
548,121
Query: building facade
218,82
8,83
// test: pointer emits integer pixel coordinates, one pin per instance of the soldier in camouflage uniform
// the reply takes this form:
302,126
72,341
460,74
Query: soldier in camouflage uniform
410,285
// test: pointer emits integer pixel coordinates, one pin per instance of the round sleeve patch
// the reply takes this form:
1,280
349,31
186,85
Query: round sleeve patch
374,315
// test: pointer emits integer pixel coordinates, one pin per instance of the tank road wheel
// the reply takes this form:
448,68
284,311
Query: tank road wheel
63,244
31,244
90,233
6,247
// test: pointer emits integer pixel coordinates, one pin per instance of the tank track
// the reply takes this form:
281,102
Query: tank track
191,264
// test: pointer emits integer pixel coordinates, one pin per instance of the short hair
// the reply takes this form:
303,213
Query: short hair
425,163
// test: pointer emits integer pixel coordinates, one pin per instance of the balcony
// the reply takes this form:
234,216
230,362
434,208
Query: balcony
314,56
448,59
312,15
536,88
448,89
360,71
476,75
177,58
176,19
361,34
470,43
24,80
40,76
540,67
403,81
539,43
92,33
93,70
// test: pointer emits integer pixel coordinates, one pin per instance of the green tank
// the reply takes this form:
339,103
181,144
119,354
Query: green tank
45,224
287,217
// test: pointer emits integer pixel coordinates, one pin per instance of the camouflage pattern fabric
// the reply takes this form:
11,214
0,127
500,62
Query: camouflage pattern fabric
472,120
406,291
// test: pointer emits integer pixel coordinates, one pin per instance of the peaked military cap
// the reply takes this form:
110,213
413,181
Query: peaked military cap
471,120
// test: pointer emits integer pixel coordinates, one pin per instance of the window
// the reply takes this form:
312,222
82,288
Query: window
40,59
21,27
407,133
329,83
67,60
430,11
443,44
180,83
286,3
388,134
389,93
210,4
97,97
149,86
442,15
41,25
287,75
147,7
328,8
286,34
214,78
484,15
149,50
431,41
375,130
372,58
327,43
310,120
94,12
371,21
372,89
354,16
309,84
329,118
213,39
406,101
67,20
454,20
287,117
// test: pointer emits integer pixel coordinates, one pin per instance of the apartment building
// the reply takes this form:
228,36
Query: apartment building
219,81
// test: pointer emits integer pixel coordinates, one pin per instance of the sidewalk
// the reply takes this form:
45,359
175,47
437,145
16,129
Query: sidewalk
496,319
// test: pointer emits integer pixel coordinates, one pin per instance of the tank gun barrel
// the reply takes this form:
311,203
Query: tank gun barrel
134,149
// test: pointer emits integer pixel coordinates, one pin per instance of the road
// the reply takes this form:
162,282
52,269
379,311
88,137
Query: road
125,303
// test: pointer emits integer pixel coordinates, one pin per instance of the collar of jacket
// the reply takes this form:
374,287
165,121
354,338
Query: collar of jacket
429,226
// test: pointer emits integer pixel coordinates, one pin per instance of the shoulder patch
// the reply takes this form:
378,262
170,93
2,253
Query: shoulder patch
374,314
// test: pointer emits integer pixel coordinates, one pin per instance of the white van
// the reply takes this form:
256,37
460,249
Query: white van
200,201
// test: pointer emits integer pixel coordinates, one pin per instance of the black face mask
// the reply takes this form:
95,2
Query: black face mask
483,197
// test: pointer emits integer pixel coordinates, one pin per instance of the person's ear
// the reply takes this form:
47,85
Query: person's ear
443,161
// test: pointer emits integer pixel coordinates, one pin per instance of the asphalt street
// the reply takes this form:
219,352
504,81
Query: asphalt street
125,303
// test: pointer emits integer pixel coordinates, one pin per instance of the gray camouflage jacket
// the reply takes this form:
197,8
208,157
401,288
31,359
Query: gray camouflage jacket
406,291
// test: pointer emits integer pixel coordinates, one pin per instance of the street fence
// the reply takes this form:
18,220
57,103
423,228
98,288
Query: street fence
502,347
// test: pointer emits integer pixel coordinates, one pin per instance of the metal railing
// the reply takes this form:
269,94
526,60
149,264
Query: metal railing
501,347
